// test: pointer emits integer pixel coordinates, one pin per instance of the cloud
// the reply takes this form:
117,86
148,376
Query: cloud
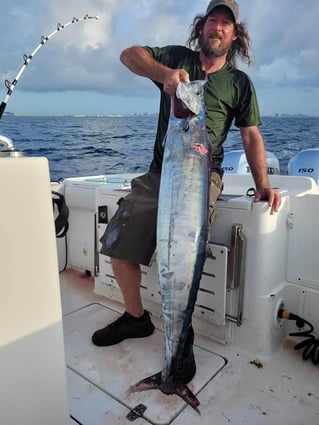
85,56
286,49
294,71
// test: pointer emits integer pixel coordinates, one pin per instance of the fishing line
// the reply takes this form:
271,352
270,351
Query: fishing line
27,58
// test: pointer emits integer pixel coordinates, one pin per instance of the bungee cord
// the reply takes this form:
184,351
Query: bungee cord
27,58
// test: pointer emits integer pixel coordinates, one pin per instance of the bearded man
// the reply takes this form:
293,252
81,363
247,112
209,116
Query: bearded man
216,39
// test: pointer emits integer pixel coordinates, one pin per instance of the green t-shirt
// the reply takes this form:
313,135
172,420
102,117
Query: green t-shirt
229,95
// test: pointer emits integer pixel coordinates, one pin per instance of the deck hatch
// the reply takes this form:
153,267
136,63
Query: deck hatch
113,369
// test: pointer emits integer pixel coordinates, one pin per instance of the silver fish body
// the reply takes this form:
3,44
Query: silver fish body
182,222
182,230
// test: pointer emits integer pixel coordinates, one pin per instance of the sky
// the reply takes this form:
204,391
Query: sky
78,71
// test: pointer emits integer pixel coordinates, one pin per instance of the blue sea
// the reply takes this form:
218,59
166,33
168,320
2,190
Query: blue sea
86,146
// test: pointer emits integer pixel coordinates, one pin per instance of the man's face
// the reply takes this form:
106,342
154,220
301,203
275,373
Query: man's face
218,33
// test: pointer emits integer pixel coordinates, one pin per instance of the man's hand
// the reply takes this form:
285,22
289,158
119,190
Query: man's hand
271,195
172,77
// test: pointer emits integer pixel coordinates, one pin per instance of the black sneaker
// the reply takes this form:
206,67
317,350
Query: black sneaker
126,326
186,369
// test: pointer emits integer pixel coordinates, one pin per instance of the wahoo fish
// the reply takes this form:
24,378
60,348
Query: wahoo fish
182,228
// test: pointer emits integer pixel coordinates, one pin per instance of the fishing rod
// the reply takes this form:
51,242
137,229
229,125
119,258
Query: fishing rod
28,58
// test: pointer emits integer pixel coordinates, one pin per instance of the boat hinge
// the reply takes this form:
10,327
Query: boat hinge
235,273
290,220
136,413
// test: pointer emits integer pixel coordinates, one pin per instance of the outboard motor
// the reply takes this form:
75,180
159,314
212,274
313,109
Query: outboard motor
235,162
306,164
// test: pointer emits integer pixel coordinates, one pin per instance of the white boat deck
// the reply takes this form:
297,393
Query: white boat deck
232,386
248,371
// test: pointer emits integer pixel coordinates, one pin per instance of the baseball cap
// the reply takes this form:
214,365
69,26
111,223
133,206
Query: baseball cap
230,4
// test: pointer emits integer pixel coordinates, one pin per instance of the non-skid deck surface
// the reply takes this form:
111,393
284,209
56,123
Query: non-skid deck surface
114,369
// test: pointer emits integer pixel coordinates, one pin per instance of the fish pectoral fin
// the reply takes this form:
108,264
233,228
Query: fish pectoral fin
155,382
168,275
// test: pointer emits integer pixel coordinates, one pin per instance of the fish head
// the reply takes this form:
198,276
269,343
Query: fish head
192,95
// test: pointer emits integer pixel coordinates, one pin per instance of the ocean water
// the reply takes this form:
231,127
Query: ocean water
86,146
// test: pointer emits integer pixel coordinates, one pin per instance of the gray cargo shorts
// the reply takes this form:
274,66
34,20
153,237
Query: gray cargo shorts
131,232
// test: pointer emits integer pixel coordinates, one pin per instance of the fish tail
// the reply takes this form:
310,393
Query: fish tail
168,387
186,394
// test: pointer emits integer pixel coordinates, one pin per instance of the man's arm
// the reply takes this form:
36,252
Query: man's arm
255,153
140,62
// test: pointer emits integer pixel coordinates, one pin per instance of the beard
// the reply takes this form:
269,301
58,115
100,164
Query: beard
210,51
